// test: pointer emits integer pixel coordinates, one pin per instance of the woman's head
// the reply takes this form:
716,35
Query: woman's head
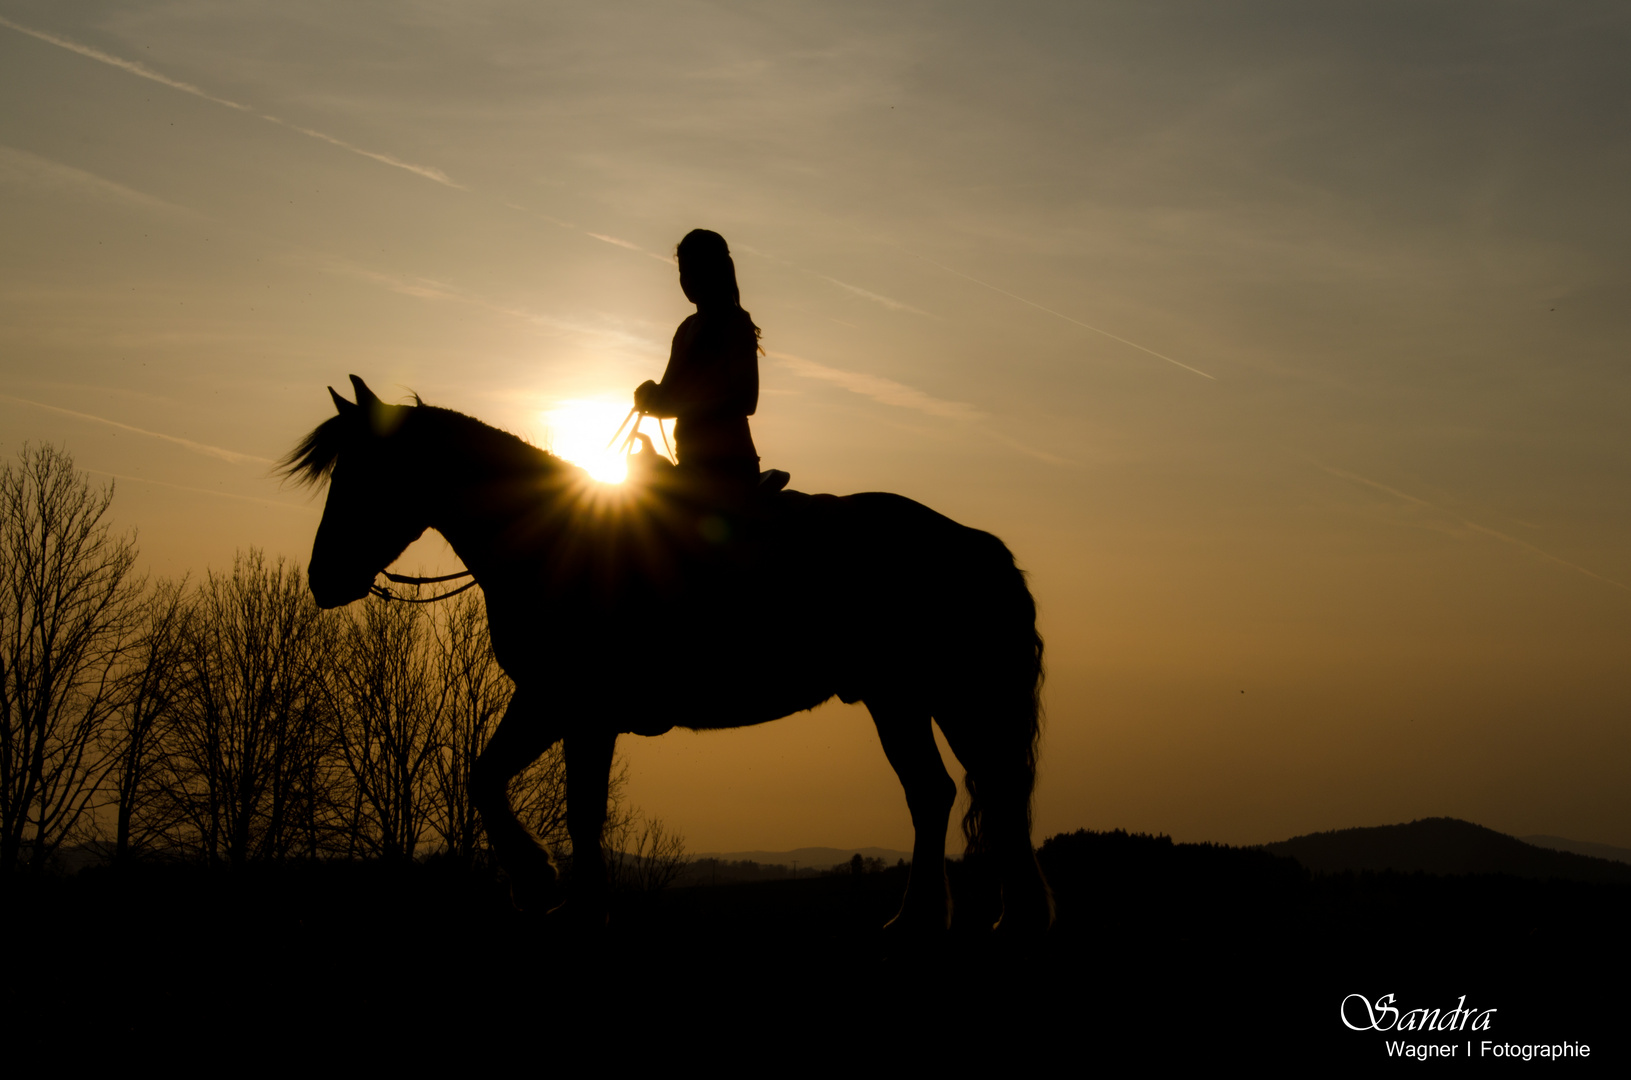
707,274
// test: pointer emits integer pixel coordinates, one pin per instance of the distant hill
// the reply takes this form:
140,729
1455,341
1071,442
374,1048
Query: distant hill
723,867
807,858
1443,846
1580,847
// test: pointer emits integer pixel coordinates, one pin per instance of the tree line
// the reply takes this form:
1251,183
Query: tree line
228,720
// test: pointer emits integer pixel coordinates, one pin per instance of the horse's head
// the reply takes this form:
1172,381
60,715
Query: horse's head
372,513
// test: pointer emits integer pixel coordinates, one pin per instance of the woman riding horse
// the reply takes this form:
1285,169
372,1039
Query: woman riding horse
711,385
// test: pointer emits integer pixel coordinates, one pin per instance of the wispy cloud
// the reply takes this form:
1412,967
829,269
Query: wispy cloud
429,289
891,304
196,447
120,62
302,508
1027,450
30,170
429,172
879,389
877,298
1066,318
615,242
1472,526
1356,478
143,71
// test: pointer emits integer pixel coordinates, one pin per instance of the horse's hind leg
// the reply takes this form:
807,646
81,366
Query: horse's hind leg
522,737
1001,779
908,741
588,782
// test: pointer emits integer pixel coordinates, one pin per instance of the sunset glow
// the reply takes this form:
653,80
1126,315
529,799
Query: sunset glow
1279,343
579,430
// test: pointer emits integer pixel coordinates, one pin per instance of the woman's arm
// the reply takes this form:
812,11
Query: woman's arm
713,370
648,398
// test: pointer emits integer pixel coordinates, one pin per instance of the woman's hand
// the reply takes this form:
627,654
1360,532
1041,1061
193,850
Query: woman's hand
644,395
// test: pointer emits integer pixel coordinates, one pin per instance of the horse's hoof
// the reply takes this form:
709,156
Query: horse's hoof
1029,919
535,897
919,924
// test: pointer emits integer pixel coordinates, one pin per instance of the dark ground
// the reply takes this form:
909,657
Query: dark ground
1161,952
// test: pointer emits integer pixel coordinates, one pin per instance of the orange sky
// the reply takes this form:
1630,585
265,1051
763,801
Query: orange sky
1284,344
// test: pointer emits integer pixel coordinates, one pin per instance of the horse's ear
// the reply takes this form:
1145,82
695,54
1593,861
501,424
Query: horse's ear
341,405
383,419
365,397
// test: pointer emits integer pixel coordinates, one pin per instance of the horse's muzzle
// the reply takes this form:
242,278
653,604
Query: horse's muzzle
332,593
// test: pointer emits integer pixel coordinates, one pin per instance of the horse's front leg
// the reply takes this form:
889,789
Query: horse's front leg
521,738
908,742
588,778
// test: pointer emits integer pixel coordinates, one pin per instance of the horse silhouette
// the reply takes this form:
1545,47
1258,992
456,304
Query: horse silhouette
774,605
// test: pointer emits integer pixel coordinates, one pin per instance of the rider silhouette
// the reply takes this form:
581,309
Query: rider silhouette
711,385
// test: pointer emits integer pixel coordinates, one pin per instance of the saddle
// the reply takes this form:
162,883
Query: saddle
648,467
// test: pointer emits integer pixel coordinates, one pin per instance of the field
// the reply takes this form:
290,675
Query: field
1161,951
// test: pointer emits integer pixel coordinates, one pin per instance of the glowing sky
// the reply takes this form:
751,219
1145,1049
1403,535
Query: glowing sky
1285,344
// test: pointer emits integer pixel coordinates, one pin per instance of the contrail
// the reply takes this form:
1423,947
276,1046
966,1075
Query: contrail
615,242
197,447
1473,525
1067,318
891,304
205,491
22,166
879,389
427,171
127,65
1356,478
145,72
427,289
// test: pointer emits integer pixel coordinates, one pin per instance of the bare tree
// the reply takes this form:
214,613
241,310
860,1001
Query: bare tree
642,854
478,693
154,686
65,617
389,706
254,770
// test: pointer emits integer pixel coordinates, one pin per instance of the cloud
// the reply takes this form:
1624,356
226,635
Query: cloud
1356,478
427,171
145,72
669,259
23,169
126,65
429,289
892,305
196,447
886,391
1483,530
302,508
1067,318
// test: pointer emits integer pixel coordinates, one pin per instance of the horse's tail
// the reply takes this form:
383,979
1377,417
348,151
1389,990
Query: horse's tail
1001,779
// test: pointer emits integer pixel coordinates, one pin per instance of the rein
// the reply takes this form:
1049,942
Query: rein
404,579
638,417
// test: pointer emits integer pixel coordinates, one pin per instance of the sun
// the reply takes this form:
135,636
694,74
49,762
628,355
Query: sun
578,430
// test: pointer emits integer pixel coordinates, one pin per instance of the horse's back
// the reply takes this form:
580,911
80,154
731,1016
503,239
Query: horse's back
925,602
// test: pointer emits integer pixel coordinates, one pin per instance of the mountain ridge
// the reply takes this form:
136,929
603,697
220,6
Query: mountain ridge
1442,846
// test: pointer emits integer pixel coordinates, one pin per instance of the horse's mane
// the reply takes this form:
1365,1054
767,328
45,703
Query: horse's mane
312,460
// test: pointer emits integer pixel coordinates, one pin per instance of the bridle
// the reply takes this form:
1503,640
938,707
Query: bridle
404,579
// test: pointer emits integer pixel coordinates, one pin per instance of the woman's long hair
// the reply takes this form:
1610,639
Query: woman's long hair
705,257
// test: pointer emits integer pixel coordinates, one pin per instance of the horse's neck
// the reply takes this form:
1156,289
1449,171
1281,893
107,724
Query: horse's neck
477,511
